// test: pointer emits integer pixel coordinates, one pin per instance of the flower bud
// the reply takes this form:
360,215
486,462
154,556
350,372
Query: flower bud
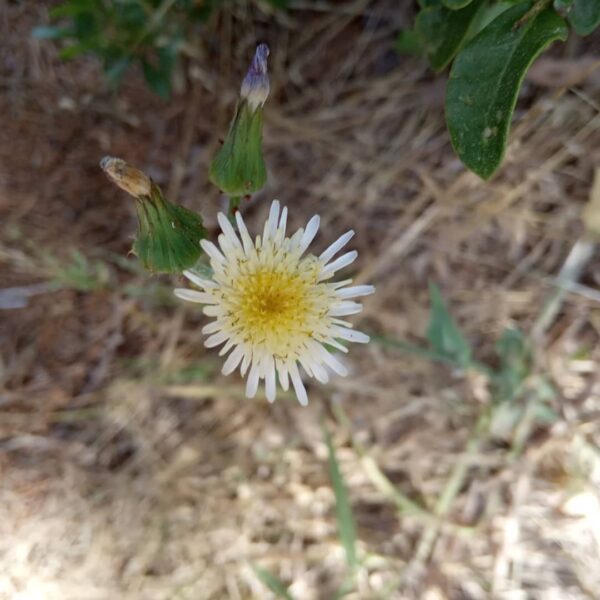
168,236
255,87
239,169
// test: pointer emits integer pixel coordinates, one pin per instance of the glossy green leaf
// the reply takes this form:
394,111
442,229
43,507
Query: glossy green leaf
443,334
584,16
442,31
272,582
343,510
485,80
456,4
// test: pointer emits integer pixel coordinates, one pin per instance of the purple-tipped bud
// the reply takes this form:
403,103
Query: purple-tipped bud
255,87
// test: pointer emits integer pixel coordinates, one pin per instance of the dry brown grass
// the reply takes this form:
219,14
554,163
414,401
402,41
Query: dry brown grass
126,475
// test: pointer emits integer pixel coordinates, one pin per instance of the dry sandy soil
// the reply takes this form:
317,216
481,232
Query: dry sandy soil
131,469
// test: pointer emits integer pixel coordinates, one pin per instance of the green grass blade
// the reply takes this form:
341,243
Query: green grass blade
343,510
272,582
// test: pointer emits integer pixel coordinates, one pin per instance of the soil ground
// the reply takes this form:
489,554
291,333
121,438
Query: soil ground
132,469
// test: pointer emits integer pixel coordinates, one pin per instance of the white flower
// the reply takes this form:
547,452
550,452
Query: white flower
273,306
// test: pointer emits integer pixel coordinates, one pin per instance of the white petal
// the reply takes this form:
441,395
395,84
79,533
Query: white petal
298,385
228,230
334,364
194,296
351,335
309,233
335,344
212,327
228,248
233,360
320,373
246,239
343,261
213,251
345,308
199,281
282,371
216,339
270,389
227,347
283,220
212,310
271,224
355,291
336,246
252,383
246,361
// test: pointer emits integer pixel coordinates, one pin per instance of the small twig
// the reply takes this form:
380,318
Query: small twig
537,8
571,271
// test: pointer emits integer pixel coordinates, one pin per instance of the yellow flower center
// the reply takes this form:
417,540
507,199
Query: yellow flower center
278,308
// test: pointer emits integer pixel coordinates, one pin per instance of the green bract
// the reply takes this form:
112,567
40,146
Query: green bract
485,80
168,239
238,168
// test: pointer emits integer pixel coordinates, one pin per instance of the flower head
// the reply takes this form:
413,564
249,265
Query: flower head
275,307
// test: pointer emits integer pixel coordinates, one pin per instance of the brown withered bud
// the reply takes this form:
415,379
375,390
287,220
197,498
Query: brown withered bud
128,178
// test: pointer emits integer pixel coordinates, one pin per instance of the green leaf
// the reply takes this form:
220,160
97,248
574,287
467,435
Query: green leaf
485,80
159,77
343,510
442,31
408,42
515,364
114,70
456,4
73,50
562,5
272,582
443,334
584,16
71,8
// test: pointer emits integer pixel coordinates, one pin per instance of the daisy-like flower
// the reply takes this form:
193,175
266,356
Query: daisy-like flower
274,306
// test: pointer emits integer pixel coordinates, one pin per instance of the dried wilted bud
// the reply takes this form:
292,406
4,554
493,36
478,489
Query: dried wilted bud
238,168
132,180
168,238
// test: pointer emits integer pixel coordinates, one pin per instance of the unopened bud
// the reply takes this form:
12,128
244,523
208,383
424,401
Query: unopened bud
168,237
239,169
132,180
255,87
